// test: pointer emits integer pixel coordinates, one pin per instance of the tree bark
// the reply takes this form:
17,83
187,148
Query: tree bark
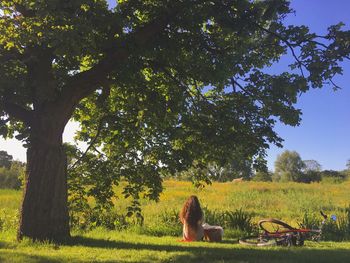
44,211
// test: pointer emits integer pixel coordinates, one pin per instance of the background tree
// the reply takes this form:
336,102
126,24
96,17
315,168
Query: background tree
5,159
311,172
12,177
215,172
288,167
312,165
157,87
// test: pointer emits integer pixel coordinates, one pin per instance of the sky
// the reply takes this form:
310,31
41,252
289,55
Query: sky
323,134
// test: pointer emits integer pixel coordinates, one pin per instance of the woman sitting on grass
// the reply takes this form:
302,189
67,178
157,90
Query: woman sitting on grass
191,216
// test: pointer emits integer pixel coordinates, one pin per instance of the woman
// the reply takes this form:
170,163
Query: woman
191,216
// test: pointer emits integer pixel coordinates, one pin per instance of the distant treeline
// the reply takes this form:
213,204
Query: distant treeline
289,167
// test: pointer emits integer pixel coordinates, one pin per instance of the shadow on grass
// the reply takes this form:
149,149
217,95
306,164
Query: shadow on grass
222,254
2,244
178,252
22,257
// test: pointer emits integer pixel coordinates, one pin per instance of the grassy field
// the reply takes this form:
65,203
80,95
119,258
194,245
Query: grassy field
287,201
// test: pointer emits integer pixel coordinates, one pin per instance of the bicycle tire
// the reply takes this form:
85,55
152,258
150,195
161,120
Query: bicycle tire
257,241
271,225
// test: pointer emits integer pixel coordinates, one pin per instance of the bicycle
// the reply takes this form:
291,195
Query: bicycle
277,232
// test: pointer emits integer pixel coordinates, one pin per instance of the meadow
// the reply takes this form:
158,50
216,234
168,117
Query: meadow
158,239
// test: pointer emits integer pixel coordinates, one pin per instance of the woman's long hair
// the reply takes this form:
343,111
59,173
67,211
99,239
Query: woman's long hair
191,212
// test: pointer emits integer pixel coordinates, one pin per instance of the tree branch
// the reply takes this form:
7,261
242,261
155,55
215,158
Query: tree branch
17,112
83,84
289,45
89,79
91,145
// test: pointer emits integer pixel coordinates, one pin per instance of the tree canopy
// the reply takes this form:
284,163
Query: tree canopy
288,167
157,86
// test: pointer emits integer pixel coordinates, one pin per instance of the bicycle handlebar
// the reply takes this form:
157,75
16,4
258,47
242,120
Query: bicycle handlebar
324,215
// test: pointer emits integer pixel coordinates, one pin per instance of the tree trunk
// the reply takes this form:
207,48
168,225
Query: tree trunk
44,212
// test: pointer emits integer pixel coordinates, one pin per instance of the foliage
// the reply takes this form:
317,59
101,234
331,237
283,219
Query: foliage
5,159
8,219
90,193
312,165
311,176
237,219
204,174
262,176
332,176
310,220
235,169
288,167
311,171
335,230
13,177
88,219
338,230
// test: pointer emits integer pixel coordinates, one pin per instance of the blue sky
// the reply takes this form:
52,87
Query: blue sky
325,127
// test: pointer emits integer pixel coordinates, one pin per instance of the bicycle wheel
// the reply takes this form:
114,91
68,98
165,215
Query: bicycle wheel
258,241
272,225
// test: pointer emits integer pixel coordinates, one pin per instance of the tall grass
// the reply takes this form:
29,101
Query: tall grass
226,204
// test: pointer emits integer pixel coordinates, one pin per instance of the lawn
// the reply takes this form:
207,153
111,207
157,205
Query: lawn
111,246
285,201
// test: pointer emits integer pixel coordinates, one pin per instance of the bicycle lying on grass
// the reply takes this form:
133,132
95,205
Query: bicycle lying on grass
276,232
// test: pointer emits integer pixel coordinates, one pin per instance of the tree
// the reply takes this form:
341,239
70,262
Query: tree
311,171
5,159
288,167
156,85
312,165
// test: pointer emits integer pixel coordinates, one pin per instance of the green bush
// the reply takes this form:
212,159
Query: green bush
262,176
91,218
239,219
310,221
11,178
338,230
214,217
330,176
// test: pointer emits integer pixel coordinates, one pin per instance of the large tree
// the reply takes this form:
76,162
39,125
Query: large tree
288,167
156,85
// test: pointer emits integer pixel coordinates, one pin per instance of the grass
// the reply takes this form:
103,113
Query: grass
110,246
287,201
